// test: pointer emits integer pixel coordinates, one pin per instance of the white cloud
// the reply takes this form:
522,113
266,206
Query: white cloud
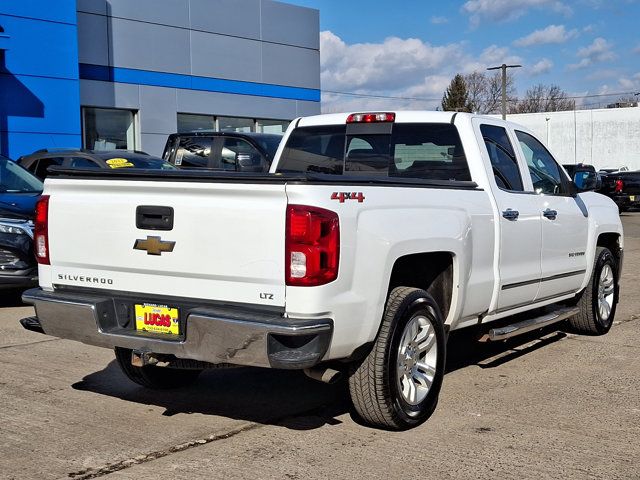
393,64
491,56
397,67
636,50
543,66
603,74
439,20
624,84
550,34
600,50
507,10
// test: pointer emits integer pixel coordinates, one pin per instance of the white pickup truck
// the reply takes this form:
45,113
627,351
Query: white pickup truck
374,236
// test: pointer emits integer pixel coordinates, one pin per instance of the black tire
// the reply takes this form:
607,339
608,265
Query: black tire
150,376
589,321
374,381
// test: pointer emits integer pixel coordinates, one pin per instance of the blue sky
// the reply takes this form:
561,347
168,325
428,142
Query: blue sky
412,48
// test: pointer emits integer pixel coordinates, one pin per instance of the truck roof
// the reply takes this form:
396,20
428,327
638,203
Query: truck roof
402,116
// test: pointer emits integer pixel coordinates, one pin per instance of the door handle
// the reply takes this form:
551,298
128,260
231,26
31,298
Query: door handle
510,214
550,214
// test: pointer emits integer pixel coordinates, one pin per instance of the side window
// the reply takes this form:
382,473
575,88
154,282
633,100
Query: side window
238,154
194,151
544,171
44,163
82,163
503,158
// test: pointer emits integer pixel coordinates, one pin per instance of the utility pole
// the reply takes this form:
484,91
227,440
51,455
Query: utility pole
504,67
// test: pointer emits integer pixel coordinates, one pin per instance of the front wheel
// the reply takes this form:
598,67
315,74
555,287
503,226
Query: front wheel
397,385
151,376
597,303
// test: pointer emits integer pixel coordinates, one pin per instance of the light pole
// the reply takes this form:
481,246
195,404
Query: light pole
546,119
504,67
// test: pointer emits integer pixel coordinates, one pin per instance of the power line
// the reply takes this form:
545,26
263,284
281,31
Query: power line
353,94
394,97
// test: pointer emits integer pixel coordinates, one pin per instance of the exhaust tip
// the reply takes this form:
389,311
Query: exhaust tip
32,324
324,375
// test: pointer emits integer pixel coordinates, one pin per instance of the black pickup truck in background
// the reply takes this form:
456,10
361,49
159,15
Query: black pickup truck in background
623,188
230,151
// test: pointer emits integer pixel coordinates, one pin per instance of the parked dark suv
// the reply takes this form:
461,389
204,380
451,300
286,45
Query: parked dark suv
19,190
38,162
230,151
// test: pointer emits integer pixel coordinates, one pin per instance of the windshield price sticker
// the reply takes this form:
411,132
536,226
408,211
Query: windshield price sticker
119,163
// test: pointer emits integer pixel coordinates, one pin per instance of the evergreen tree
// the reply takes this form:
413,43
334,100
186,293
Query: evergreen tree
456,97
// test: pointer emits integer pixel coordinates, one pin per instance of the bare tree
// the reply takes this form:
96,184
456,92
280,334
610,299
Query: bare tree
545,98
476,91
628,99
485,91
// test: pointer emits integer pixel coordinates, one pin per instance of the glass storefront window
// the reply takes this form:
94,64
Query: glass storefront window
272,126
108,129
192,123
232,124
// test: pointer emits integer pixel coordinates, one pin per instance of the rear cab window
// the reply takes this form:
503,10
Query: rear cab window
40,167
428,151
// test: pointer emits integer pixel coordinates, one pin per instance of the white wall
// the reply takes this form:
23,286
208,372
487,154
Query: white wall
605,138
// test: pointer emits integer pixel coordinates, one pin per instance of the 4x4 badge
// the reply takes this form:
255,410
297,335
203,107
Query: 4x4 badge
342,196
154,245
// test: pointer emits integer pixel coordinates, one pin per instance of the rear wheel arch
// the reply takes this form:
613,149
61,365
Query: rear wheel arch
430,271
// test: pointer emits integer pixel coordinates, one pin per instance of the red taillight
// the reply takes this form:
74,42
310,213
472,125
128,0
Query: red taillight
378,117
41,231
619,186
312,246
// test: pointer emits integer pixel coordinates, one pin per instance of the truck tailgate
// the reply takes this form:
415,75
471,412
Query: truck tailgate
229,239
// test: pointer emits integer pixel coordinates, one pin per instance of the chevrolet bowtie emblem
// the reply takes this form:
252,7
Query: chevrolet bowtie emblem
154,245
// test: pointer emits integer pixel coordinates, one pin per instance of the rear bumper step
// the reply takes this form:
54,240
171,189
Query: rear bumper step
235,335
528,325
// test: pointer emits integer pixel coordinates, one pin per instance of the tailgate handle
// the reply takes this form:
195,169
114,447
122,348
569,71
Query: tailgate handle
153,217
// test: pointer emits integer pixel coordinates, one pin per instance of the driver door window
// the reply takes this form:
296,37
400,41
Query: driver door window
240,155
543,169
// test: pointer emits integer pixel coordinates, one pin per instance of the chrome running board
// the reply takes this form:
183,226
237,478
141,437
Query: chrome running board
528,325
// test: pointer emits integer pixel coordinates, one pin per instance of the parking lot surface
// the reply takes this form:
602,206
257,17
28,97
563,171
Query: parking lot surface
551,405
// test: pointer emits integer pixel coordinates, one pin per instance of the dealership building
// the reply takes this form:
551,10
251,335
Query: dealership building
124,74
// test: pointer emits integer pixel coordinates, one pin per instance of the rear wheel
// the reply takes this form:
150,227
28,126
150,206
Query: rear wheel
598,301
397,385
150,376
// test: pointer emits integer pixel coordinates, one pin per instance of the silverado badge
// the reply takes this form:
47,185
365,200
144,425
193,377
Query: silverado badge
154,245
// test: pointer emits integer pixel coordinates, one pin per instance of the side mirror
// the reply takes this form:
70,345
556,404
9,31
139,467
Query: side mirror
587,181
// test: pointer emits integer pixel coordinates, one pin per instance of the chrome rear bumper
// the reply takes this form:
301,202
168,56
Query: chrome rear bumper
234,335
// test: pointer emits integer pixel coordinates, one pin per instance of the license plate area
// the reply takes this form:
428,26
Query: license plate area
157,319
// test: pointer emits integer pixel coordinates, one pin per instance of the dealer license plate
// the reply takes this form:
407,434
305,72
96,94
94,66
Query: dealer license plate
632,198
157,319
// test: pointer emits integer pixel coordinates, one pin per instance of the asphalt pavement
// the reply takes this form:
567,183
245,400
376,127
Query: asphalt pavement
551,405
